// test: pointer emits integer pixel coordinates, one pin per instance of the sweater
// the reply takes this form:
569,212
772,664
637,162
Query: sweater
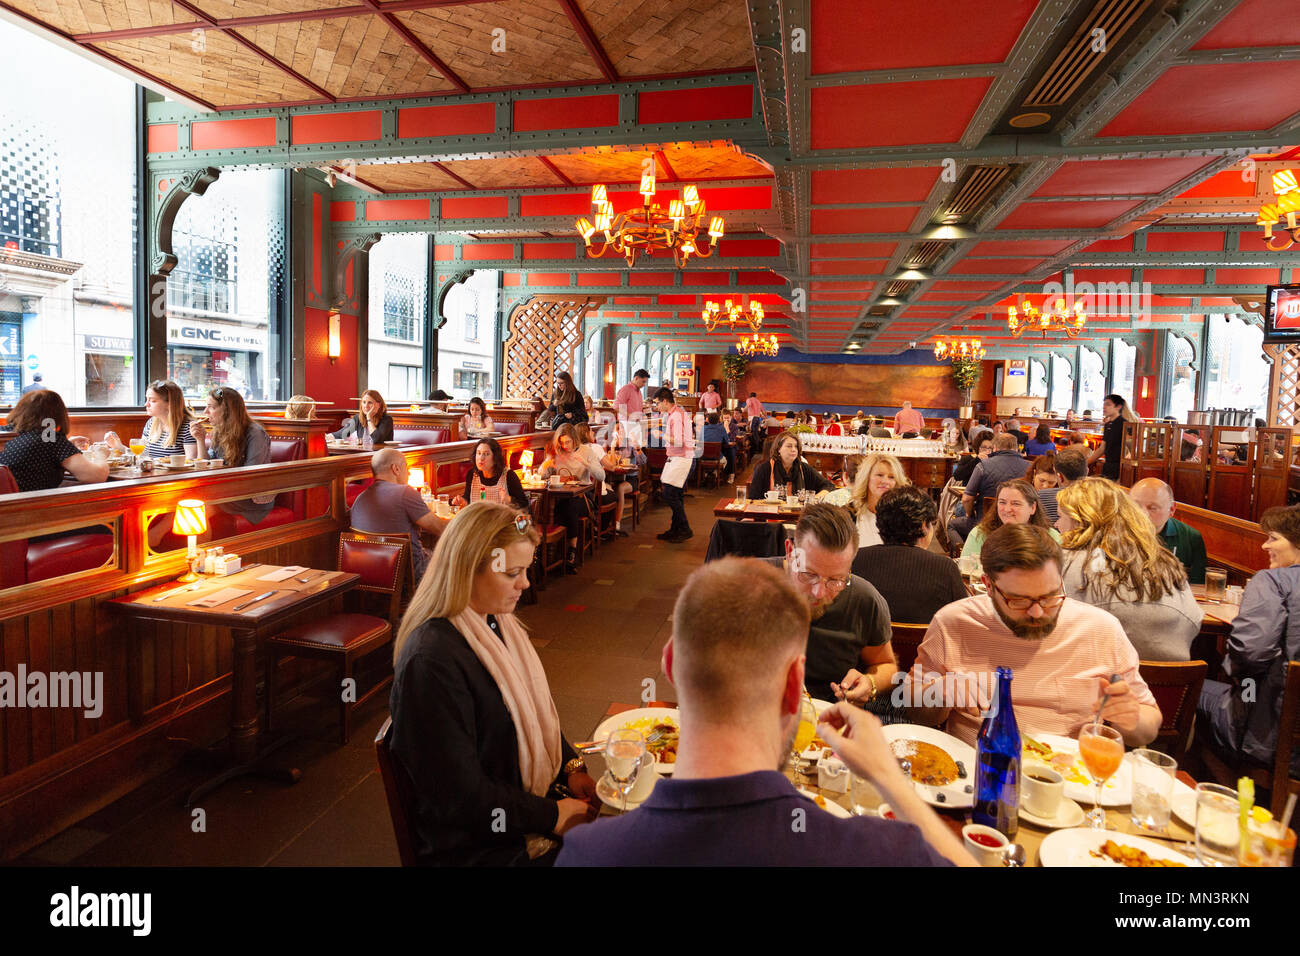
914,582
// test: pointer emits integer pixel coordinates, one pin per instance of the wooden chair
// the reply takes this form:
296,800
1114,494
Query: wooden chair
393,538
1176,686
906,640
400,792
346,638
550,553
1277,778
709,463
656,459
605,514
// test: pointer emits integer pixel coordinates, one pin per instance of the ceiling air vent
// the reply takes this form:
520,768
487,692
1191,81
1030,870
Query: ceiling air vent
898,288
925,254
1076,62
976,186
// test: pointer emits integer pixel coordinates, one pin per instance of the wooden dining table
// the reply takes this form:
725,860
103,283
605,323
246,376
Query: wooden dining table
756,511
247,621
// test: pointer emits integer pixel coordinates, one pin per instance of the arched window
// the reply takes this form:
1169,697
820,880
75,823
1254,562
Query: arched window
1236,373
1092,384
1123,363
638,359
655,368
1061,397
593,383
467,340
1038,380
1178,378
621,374
399,275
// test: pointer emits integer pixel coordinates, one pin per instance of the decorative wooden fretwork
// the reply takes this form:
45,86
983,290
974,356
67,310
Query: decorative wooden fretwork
1284,404
544,332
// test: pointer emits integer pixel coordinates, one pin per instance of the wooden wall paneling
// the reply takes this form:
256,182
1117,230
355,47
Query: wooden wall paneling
39,659
18,737
82,627
63,658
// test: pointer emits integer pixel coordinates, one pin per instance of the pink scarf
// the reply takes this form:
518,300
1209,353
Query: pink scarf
514,665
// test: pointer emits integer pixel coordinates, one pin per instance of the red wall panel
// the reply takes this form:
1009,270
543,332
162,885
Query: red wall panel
334,127
233,133
474,207
566,112
694,106
325,381
162,138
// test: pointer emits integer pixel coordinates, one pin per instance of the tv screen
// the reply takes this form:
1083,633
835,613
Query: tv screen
1282,314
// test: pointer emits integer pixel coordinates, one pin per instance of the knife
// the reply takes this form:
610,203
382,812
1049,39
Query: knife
254,600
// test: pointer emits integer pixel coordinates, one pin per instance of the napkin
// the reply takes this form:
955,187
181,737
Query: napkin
221,597
283,574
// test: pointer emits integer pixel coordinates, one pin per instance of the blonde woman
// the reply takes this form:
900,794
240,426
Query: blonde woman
1114,561
300,408
878,474
567,459
168,430
474,724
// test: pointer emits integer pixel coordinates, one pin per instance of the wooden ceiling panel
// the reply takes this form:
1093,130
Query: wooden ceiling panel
653,37
225,74
349,56
713,162
541,45
605,166
100,16
228,9
505,173
407,177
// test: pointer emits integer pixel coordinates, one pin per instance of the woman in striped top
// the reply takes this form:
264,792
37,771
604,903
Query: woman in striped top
168,430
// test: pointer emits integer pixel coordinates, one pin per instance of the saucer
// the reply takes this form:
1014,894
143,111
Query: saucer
609,796
1068,814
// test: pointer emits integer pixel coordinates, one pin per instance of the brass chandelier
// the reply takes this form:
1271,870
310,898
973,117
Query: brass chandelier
1057,319
649,229
757,345
1287,205
959,349
733,315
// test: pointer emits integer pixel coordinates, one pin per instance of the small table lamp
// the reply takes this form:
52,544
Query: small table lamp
526,460
416,479
190,519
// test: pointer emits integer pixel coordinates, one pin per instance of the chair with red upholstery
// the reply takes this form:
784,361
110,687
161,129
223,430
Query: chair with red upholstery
401,795
1176,686
709,463
416,435
511,428
346,638
68,554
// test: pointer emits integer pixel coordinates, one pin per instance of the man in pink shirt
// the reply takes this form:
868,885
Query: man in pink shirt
1061,652
627,402
710,400
678,439
908,420
753,407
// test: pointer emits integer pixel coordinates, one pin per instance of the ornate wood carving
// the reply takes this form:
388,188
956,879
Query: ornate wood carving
1284,395
544,331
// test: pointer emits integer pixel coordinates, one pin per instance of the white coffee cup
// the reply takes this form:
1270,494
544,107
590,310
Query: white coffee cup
176,460
985,855
191,450
1041,797
773,495
645,779
216,462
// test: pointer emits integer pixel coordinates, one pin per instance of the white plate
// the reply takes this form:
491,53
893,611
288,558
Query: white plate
1116,792
609,796
1183,802
833,808
619,721
1068,814
954,794
1074,848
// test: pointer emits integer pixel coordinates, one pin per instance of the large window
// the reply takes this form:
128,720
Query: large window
1178,378
1236,374
224,310
593,381
399,274
1038,380
656,365
1123,364
1061,398
67,224
638,358
621,373
1092,384
465,365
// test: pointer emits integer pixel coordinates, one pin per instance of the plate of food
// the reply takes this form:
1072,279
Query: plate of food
664,720
943,768
1084,846
830,806
1062,755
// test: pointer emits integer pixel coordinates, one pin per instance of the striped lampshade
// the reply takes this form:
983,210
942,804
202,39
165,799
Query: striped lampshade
190,518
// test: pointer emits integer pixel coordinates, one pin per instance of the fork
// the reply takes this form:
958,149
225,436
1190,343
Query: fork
596,746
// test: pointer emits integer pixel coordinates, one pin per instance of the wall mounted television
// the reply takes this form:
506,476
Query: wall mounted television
1282,314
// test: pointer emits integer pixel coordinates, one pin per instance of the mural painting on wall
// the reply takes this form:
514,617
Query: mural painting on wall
924,386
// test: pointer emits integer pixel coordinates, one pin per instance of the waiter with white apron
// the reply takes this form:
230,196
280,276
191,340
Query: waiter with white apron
679,441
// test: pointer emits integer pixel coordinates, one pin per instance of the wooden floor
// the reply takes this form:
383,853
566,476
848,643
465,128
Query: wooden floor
599,635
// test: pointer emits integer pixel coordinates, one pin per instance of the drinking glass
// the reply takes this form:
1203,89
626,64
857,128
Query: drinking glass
137,446
1268,844
864,795
623,751
1218,833
1102,750
1216,584
807,729
1153,785
741,495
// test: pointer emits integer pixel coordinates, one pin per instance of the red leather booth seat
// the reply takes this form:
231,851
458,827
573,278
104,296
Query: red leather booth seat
22,562
511,428
288,506
352,491
421,436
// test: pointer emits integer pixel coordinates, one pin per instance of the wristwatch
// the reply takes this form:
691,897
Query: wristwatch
576,765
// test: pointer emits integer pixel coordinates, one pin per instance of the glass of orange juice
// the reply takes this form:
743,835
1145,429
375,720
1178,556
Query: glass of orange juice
1102,750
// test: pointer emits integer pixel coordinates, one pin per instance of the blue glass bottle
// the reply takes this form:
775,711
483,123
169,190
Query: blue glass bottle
997,764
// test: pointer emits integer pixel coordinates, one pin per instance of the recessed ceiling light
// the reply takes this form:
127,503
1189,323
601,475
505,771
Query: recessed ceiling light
1026,120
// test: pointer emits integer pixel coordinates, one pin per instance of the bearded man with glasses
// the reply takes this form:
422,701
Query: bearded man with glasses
849,654
1061,652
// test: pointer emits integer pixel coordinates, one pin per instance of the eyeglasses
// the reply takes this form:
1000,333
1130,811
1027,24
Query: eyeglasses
1047,603
829,585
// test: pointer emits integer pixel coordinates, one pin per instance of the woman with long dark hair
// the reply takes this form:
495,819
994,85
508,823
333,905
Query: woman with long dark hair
476,422
566,402
474,724
785,470
490,480
237,440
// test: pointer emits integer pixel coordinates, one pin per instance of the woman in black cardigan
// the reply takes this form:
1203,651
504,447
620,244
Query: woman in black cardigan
785,466
372,420
474,724
567,407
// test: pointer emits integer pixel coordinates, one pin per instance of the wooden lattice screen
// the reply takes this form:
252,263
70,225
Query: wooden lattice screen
1285,393
544,331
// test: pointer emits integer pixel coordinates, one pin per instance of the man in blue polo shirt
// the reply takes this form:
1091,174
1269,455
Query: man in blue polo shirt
727,803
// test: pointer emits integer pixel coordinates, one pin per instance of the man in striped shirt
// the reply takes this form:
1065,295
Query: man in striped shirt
1061,652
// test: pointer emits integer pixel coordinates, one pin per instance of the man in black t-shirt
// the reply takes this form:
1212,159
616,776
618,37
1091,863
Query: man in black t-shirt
1112,437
